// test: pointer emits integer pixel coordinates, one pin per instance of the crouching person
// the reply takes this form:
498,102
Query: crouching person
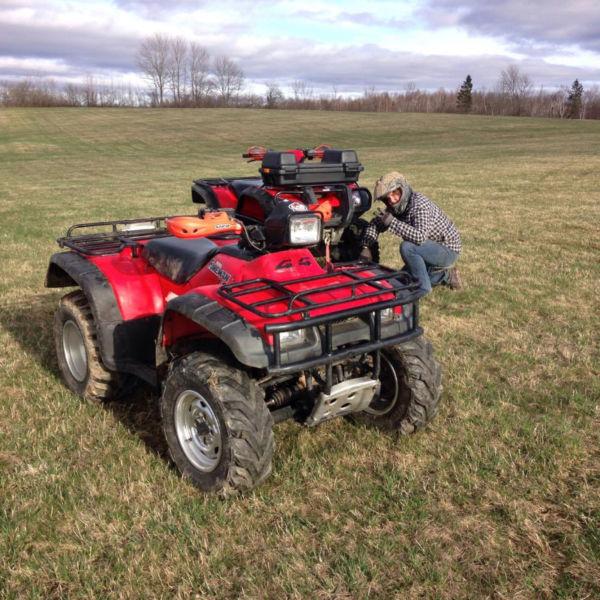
431,243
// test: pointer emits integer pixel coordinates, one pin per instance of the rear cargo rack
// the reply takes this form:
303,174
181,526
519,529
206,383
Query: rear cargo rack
126,232
303,302
117,235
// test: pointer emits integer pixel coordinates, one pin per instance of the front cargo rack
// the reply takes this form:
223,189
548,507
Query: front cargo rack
303,302
401,289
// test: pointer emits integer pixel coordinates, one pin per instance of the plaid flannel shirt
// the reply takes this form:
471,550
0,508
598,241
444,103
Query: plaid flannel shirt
423,220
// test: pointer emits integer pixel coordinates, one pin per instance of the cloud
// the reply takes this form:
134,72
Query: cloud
538,22
152,7
362,18
81,46
97,35
358,67
26,67
101,39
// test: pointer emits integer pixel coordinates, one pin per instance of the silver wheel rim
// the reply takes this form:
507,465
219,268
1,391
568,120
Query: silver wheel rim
380,407
198,431
74,350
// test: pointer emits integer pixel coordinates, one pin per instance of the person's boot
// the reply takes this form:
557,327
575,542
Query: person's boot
454,281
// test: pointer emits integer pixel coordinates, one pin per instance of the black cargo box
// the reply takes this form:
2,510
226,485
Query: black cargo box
337,166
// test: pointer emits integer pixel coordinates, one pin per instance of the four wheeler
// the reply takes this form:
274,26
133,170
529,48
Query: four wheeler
329,187
239,325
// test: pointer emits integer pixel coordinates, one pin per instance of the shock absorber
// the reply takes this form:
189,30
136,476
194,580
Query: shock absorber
283,395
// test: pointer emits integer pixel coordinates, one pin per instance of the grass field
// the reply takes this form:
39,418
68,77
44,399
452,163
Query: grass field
499,498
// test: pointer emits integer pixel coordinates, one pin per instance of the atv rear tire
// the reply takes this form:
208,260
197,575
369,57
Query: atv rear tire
78,353
411,385
216,424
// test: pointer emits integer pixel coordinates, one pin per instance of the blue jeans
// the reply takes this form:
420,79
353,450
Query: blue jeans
428,262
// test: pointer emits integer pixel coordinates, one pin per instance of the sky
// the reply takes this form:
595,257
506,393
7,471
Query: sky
347,46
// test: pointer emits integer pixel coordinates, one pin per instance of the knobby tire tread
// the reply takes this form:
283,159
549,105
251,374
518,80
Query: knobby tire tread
422,378
100,384
248,422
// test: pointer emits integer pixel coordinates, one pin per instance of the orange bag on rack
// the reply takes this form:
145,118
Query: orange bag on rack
212,223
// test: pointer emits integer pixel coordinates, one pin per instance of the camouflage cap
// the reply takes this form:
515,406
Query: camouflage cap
388,183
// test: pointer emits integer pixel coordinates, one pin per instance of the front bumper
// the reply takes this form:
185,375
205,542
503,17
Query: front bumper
340,339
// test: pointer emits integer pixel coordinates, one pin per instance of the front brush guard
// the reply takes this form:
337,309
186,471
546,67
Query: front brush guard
384,281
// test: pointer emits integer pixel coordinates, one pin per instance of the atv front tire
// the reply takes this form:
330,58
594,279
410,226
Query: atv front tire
351,244
216,424
78,354
411,385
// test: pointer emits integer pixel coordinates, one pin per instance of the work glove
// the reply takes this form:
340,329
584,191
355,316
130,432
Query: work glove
383,219
366,254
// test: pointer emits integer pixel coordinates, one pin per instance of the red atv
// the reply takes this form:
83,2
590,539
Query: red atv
239,325
328,186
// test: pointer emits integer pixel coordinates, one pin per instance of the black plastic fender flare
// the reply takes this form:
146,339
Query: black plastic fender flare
126,346
202,193
68,269
244,341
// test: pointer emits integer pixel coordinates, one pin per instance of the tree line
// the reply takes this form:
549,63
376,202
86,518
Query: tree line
183,74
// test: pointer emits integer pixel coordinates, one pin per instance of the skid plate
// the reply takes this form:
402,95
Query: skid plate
346,397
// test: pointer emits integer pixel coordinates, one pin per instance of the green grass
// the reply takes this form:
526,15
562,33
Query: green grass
498,498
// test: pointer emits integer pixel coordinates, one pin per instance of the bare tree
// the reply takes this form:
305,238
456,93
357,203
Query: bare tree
303,94
110,94
274,96
229,79
591,103
198,64
302,91
90,91
153,59
515,86
335,98
176,68
557,103
72,95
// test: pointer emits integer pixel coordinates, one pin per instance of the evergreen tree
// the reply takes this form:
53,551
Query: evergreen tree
464,98
574,100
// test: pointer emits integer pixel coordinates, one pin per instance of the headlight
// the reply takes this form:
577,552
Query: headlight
298,337
387,314
292,224
361,200
304,230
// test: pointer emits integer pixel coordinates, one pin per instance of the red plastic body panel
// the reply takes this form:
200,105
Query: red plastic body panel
139,289
253,209
225,196
136,284
330,201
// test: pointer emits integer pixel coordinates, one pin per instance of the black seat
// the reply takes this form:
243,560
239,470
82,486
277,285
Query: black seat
239,185
179,259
